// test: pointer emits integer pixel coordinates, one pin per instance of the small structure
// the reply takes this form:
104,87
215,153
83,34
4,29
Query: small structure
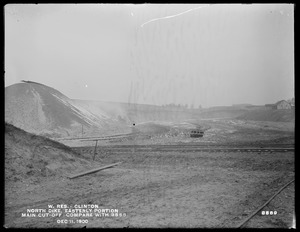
197,133
281,105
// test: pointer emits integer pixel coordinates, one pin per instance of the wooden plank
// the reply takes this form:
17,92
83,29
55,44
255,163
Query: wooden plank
93,170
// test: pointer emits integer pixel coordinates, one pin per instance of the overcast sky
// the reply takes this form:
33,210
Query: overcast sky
155,54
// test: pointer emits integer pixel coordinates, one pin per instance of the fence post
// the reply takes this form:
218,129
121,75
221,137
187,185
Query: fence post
95,150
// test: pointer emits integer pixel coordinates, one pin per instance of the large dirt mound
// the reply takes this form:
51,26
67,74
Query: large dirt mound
269,115
43,110
32,156
35,107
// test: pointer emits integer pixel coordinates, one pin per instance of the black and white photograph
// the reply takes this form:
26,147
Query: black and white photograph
149,116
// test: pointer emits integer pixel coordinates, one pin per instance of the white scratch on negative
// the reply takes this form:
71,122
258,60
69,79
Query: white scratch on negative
172,16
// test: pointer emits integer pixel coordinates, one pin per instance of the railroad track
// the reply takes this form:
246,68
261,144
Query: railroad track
264,205
183,148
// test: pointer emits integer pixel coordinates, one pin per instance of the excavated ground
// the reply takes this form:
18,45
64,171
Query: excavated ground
157,189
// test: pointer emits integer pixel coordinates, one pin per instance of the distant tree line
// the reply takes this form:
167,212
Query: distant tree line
180,106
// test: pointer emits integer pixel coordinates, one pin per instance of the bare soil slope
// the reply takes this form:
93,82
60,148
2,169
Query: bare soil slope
43,110
33,158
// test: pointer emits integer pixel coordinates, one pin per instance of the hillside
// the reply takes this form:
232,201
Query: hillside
43,110
33,157
269,115
222,112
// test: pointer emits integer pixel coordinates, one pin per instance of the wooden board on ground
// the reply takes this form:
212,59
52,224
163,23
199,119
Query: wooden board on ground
93,170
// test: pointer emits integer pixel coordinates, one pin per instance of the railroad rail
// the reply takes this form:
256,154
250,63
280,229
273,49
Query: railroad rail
241,224
183,148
